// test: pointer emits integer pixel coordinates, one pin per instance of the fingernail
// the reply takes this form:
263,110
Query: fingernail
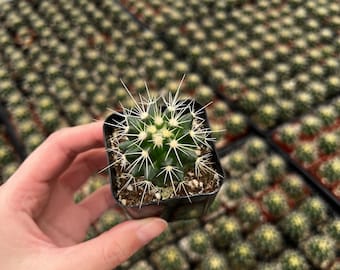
150,228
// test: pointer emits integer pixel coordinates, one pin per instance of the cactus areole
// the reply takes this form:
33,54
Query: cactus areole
162,161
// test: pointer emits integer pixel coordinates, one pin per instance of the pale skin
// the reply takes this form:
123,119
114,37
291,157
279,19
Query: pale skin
42,228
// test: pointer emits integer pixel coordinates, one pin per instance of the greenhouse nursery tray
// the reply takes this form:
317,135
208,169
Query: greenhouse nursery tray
270,68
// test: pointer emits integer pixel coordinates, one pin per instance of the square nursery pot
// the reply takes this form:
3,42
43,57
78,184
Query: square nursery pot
169,209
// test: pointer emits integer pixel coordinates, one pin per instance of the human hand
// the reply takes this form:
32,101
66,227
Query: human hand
42,228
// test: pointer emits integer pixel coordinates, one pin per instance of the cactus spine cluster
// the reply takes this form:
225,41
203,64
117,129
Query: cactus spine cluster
161,143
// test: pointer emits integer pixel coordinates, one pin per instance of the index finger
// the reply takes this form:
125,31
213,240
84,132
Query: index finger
57,152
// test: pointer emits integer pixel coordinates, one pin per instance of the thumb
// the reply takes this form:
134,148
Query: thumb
115,246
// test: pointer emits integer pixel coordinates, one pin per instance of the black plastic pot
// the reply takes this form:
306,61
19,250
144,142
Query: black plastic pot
169,209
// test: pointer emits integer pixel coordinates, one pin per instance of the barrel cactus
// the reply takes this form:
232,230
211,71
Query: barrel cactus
161,148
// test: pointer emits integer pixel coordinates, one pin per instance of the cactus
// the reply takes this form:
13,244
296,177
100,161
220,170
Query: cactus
109,219
303,102
224,231
249,213
329,143
257,181
275,203
199,243
275,166
288,134
306,152
310,125
333,230
293,260
242,256
330,171
169,257
315,209
267,240
161,147
213,261
320,250
256,149
294,186
236,124
234,190
250,101
327,114
296,226
237,163
267,115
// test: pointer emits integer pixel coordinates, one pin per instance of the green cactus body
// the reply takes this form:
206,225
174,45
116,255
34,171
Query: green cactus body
275,203
249,213
306,152
199,242
293,260
315,209
256,149
242,256
330,171
257,181
296,226
334,230
161,147
214,261
320,250
294,186
329,143
225,231
169,257
275,166
267,240
310,125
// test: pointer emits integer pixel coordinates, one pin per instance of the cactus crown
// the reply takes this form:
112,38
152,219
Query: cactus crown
160,141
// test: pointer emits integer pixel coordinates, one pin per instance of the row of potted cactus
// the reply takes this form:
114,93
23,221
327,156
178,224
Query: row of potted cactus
283,225
51,94
313,142
282,52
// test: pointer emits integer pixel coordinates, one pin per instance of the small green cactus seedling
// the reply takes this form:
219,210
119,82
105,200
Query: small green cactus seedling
327,114
329,143
224,231
109,219
334,230
294,186
330,171
250,101
237,163
320,250
256,149
141,265
214,261
275,166
236,124
249,213
257,181
275,203
315,209
293,260
306,152
310,125
242,256
169,257
198,244
267,240
234,190
288,134
267,115
296,226
161,148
